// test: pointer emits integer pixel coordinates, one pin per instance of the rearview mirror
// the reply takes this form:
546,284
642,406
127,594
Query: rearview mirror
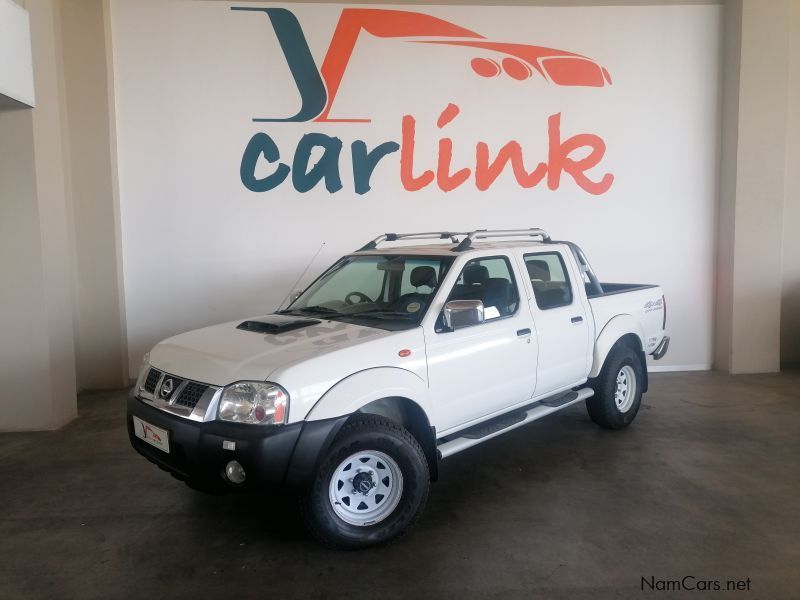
393,264
463,313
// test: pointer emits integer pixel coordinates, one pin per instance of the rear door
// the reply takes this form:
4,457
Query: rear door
561,319
483,369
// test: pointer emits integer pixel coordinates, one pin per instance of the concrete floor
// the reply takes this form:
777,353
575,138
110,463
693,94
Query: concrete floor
705,483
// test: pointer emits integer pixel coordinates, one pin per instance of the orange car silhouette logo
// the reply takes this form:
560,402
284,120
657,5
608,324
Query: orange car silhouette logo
149,433
318,86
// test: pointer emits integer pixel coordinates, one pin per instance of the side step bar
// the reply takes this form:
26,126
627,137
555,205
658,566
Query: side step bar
560,400
494,427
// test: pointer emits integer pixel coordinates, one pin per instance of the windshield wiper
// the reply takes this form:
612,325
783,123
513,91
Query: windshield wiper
320,310
383,314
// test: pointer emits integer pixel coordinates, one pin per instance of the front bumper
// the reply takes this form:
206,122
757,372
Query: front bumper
271,455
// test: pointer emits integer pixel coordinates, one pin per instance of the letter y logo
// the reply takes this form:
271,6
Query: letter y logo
298,56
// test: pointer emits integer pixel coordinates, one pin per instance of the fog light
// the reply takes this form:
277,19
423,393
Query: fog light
234,472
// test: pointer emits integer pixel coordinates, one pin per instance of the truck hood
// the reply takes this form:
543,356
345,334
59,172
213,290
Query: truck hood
252,349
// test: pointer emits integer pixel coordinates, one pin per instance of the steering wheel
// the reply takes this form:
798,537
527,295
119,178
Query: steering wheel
361,298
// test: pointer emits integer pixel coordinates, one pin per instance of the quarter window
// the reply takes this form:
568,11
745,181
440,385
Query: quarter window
549,279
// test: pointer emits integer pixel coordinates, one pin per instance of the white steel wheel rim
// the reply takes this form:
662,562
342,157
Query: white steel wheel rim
625,390
365,488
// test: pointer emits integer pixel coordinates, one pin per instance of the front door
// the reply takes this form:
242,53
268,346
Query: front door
486,368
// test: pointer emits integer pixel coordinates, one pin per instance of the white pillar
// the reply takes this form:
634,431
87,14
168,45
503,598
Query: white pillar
752,186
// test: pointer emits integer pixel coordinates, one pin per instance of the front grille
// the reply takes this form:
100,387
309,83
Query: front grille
183,393
151,381
169,386
191,394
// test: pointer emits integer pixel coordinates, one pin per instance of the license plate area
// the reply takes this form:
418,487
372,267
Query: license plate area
155,436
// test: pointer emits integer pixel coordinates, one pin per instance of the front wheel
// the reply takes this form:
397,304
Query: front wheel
371,486
617,390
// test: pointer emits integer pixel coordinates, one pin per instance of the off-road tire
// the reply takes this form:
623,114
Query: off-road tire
368,433
603,406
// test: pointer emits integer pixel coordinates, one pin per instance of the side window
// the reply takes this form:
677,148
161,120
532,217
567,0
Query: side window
549,278
490,280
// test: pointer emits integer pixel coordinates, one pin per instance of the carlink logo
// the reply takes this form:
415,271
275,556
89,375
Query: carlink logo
318,87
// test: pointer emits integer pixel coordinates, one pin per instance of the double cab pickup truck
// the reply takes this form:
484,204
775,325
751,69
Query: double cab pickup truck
395,358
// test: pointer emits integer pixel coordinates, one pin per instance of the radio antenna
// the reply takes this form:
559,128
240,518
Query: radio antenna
294,285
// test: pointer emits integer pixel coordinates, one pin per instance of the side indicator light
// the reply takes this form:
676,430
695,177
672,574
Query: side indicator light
404,352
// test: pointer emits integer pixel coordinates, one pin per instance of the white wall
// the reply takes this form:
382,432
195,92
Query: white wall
23,366
199,248
16,65
758,205
760,187
99,318
55,210
37,363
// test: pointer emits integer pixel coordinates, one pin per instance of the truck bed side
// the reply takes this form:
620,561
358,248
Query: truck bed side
644,303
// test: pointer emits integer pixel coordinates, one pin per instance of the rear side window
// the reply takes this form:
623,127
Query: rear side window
549,278
491,281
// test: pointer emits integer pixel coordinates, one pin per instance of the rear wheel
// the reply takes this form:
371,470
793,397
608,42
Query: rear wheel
617,390
370,488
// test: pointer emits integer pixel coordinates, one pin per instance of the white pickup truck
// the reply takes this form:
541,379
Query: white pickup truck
390,361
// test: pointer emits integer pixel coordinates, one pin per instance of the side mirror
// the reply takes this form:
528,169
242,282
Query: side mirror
463,313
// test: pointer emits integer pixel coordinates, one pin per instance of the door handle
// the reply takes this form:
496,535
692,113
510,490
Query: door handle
523,332
577,319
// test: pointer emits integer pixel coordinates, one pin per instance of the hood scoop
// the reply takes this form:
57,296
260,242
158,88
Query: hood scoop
275,324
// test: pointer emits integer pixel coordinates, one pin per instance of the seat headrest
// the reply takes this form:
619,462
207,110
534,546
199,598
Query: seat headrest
476,275
497,282
423,275
538,269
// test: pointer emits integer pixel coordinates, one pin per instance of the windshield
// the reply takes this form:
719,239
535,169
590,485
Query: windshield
385,289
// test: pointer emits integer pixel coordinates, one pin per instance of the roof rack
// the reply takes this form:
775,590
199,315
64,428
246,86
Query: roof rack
482,234
453,236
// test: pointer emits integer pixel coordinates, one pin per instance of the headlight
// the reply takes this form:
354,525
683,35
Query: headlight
143,368
254,402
